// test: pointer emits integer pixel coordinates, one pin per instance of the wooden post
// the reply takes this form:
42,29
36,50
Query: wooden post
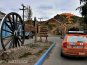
35,29
46,39
35,36
43,33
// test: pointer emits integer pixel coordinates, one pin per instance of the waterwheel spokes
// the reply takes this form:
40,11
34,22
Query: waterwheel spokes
12,31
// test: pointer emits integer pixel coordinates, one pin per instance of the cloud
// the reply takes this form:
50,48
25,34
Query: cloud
41,8
45,7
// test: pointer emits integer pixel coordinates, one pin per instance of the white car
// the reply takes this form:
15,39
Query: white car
28,35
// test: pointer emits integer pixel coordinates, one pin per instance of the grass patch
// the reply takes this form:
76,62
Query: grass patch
39,53
25,55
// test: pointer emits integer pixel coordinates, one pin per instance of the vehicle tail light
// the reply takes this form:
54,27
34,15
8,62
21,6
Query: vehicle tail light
65,44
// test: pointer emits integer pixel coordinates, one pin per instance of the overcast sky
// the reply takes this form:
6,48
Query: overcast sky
41,8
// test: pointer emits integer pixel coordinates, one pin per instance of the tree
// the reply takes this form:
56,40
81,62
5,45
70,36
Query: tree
83,1
83,10
28,13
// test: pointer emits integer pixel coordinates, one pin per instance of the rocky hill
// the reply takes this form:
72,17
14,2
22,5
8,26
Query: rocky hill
67,18
62,22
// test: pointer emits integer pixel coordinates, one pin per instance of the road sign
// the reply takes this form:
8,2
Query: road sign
43,32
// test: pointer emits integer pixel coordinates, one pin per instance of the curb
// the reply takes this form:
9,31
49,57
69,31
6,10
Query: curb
43,57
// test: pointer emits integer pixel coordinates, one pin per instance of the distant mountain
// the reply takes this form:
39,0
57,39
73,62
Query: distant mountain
59,24
67,14
60,18
62,22
67,18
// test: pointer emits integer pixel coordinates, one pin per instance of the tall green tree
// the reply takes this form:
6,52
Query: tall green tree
83,1
83,10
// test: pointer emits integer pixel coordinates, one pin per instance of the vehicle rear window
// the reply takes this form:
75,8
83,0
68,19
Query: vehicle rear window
77,39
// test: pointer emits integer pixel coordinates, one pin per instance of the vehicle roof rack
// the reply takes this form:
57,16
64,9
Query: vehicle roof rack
76,32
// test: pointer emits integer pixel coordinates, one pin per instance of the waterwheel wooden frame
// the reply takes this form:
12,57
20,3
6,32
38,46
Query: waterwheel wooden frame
11,31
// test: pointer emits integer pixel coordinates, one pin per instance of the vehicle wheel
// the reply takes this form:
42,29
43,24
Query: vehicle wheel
62,54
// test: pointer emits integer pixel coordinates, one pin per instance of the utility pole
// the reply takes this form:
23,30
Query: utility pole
39,27
40,19
35,25
23,9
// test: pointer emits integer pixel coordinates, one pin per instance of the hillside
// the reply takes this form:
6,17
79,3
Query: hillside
62,22
67,18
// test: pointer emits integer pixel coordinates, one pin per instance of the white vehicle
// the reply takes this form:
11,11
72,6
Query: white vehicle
28,35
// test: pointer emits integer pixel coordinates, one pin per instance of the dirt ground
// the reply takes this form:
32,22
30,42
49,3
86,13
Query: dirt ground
24,55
